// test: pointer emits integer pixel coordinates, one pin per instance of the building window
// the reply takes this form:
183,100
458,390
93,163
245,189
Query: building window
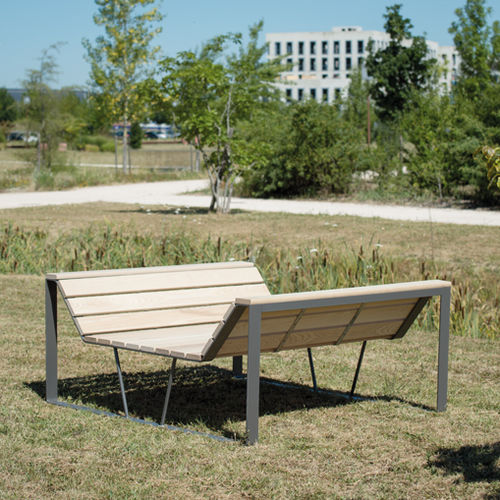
289,47
324,47
312,48
277,48
301,48
288,95
454,59
348,63
324,75
313,93
336,63
361,46
337,93
348,46
324,64
289,63
360,62
300,94
336,47
301,64
324,95
312,64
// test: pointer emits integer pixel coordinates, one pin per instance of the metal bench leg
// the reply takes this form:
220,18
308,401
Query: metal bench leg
238,366
50,341
360,360
311,365
120,378
169,389
444,340
253,374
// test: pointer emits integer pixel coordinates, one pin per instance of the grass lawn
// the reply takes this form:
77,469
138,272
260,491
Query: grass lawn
310,446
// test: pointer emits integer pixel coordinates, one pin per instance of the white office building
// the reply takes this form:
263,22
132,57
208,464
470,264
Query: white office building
322,62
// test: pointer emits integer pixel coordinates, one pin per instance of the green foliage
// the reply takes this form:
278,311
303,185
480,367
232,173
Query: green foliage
492,157
397,70
315,151
478,50
122,61
136,134
8,109
210,93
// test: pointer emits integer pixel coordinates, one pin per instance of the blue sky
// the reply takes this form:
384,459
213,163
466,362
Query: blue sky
29,26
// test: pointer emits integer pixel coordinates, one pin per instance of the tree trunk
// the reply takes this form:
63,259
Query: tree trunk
125,145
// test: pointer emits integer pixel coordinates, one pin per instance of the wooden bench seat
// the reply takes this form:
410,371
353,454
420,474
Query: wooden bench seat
201,312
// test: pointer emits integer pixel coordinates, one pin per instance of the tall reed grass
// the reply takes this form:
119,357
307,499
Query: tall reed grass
475,293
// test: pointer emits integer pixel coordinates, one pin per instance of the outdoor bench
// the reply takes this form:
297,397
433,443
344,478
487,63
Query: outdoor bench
200,312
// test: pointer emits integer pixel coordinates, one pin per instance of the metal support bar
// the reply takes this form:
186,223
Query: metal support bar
237,366
120,378
360,360
50,341
253,374
444,340
311,365
349,325
169,389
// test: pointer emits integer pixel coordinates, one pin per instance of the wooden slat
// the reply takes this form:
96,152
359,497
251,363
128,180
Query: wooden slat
87,287
143,320
147,270
174,335
145,301
364,293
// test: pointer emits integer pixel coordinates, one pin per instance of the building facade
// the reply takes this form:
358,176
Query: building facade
322,62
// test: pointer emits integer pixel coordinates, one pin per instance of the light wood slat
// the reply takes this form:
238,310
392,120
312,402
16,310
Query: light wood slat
149,282
240,345
362,332
273,325
173,335
147,270
363,292
150,319
369,314
84,306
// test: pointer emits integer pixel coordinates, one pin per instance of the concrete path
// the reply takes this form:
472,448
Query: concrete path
172,194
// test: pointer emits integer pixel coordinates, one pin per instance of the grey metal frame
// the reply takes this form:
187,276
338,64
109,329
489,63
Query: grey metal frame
253,361
255,314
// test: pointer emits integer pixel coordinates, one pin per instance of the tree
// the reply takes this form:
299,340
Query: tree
478,45
8,110
122,60
399,69
41,108
210,94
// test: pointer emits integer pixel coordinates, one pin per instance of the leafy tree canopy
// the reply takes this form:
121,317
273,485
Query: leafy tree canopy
400,68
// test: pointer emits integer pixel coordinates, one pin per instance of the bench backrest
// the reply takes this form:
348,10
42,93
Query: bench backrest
330,317
159,300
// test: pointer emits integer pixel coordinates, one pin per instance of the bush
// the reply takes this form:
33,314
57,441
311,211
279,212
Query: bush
92,148
318,152
136,134
108,147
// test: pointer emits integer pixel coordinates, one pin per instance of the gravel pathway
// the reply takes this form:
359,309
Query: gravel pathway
173,194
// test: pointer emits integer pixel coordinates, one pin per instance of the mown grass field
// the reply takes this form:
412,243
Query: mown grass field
311,446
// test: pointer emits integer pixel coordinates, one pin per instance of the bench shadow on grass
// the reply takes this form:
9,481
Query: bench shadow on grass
475,463
205,394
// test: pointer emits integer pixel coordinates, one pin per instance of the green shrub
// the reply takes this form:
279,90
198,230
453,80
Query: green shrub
108,147
136,134
92,148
